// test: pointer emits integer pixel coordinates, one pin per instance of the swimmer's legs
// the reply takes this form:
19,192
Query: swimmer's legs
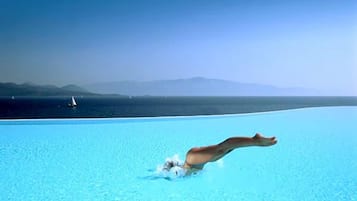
200,155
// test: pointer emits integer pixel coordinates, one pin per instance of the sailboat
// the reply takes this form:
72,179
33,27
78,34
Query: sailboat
72,103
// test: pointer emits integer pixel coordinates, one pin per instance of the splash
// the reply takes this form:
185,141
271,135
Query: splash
172,168
220,163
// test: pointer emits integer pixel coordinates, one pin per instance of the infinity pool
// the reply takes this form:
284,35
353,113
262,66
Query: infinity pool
117,159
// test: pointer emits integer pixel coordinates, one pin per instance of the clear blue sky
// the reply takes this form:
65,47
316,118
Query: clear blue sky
309,44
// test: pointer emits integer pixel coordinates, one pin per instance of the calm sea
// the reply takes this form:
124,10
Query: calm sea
90,107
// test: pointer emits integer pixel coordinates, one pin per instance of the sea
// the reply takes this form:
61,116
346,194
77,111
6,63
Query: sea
148,106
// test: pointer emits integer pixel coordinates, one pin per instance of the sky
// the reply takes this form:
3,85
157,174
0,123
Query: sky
311,44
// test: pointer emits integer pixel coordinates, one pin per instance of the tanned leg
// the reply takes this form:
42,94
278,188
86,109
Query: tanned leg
197,157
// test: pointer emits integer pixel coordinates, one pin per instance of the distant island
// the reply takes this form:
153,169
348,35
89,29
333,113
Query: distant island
197,86
29,89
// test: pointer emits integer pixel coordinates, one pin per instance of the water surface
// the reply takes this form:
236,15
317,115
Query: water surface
116,159
103,106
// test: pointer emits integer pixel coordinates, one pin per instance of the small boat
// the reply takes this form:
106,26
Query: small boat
73,103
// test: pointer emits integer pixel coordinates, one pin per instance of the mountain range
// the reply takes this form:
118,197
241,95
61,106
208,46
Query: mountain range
197,86
30,89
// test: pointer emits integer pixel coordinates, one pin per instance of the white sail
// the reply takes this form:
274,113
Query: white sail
73,102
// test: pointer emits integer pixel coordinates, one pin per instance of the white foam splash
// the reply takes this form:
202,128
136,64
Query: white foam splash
175,158
174,172
220,163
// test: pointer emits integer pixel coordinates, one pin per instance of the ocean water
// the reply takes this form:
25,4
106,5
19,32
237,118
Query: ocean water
104,106
117,159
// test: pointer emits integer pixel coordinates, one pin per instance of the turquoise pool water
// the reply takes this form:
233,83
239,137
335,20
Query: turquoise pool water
116,159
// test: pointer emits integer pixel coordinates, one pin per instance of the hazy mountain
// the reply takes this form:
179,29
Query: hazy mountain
197,86
72,87
30,89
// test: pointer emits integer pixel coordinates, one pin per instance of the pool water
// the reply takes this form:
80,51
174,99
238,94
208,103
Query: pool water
117,159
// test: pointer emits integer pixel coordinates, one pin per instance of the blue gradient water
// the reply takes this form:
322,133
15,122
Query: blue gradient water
116,159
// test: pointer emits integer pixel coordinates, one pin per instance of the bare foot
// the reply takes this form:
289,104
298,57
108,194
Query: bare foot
264,141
